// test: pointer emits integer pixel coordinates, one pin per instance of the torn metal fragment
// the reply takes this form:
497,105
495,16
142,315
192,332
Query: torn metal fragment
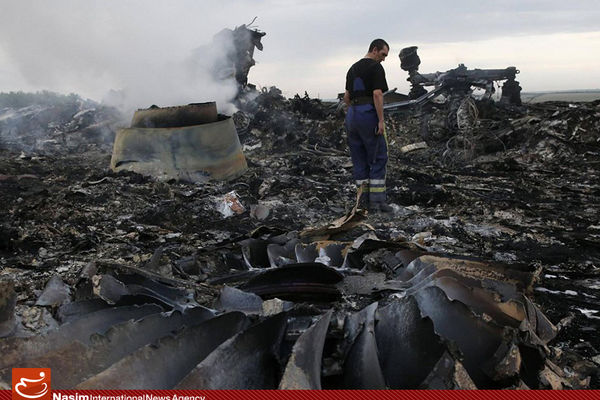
448,374
71,311
303,370
505,310
538,324
332,254
232,299
75,362
408,346
176,297
16,350
476,338
520,276
362,368
249,360
490,291
354,258
349,221
306,253
193,153
55,293
553,378
163,365
282,254
506,362
109,289
125,288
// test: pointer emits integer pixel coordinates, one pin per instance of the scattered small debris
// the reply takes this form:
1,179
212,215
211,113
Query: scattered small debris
230,205
414,146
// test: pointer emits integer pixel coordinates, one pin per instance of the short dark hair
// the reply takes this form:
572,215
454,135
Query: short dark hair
378,44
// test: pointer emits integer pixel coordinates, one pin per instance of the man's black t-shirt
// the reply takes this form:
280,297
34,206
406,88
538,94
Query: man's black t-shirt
372,74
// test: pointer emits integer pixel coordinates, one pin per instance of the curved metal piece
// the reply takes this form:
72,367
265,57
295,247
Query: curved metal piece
307,281
193,153
477,339
280,255
306,253
362,369
70,312
232,299
163,365
249,360
334,253
16,350
55,293
75,362
303,370
408,346
173,117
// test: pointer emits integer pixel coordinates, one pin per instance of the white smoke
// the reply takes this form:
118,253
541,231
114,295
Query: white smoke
118,52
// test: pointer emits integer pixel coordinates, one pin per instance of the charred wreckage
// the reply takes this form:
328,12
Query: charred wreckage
235,243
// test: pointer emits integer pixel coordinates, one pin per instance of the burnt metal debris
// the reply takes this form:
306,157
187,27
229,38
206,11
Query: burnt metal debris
459,81
455,86
191,143
494,237
420,334
240,44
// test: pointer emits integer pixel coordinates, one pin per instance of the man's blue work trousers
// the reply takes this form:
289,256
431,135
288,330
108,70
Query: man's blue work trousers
368,151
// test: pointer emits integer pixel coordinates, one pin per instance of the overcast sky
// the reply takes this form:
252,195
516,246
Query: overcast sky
91,46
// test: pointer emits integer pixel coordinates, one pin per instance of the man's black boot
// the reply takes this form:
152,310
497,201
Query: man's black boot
380,208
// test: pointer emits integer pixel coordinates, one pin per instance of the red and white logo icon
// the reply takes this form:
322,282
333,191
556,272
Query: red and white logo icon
31,383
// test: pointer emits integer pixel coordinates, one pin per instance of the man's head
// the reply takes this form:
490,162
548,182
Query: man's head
378,50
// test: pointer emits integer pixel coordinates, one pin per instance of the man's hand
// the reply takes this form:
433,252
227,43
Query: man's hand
380,128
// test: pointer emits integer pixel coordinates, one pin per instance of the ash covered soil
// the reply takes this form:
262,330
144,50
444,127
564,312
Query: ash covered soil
522,186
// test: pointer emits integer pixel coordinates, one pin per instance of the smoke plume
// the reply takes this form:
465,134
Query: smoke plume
118,53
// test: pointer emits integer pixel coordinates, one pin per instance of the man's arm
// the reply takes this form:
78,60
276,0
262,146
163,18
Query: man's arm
347,98
378,102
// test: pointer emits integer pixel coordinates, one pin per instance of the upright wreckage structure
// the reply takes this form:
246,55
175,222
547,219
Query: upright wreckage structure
456,85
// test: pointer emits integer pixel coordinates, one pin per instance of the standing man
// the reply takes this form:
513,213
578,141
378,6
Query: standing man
365,85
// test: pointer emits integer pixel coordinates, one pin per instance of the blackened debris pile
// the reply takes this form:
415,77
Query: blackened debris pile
268,119
49,123
497,226
129,324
